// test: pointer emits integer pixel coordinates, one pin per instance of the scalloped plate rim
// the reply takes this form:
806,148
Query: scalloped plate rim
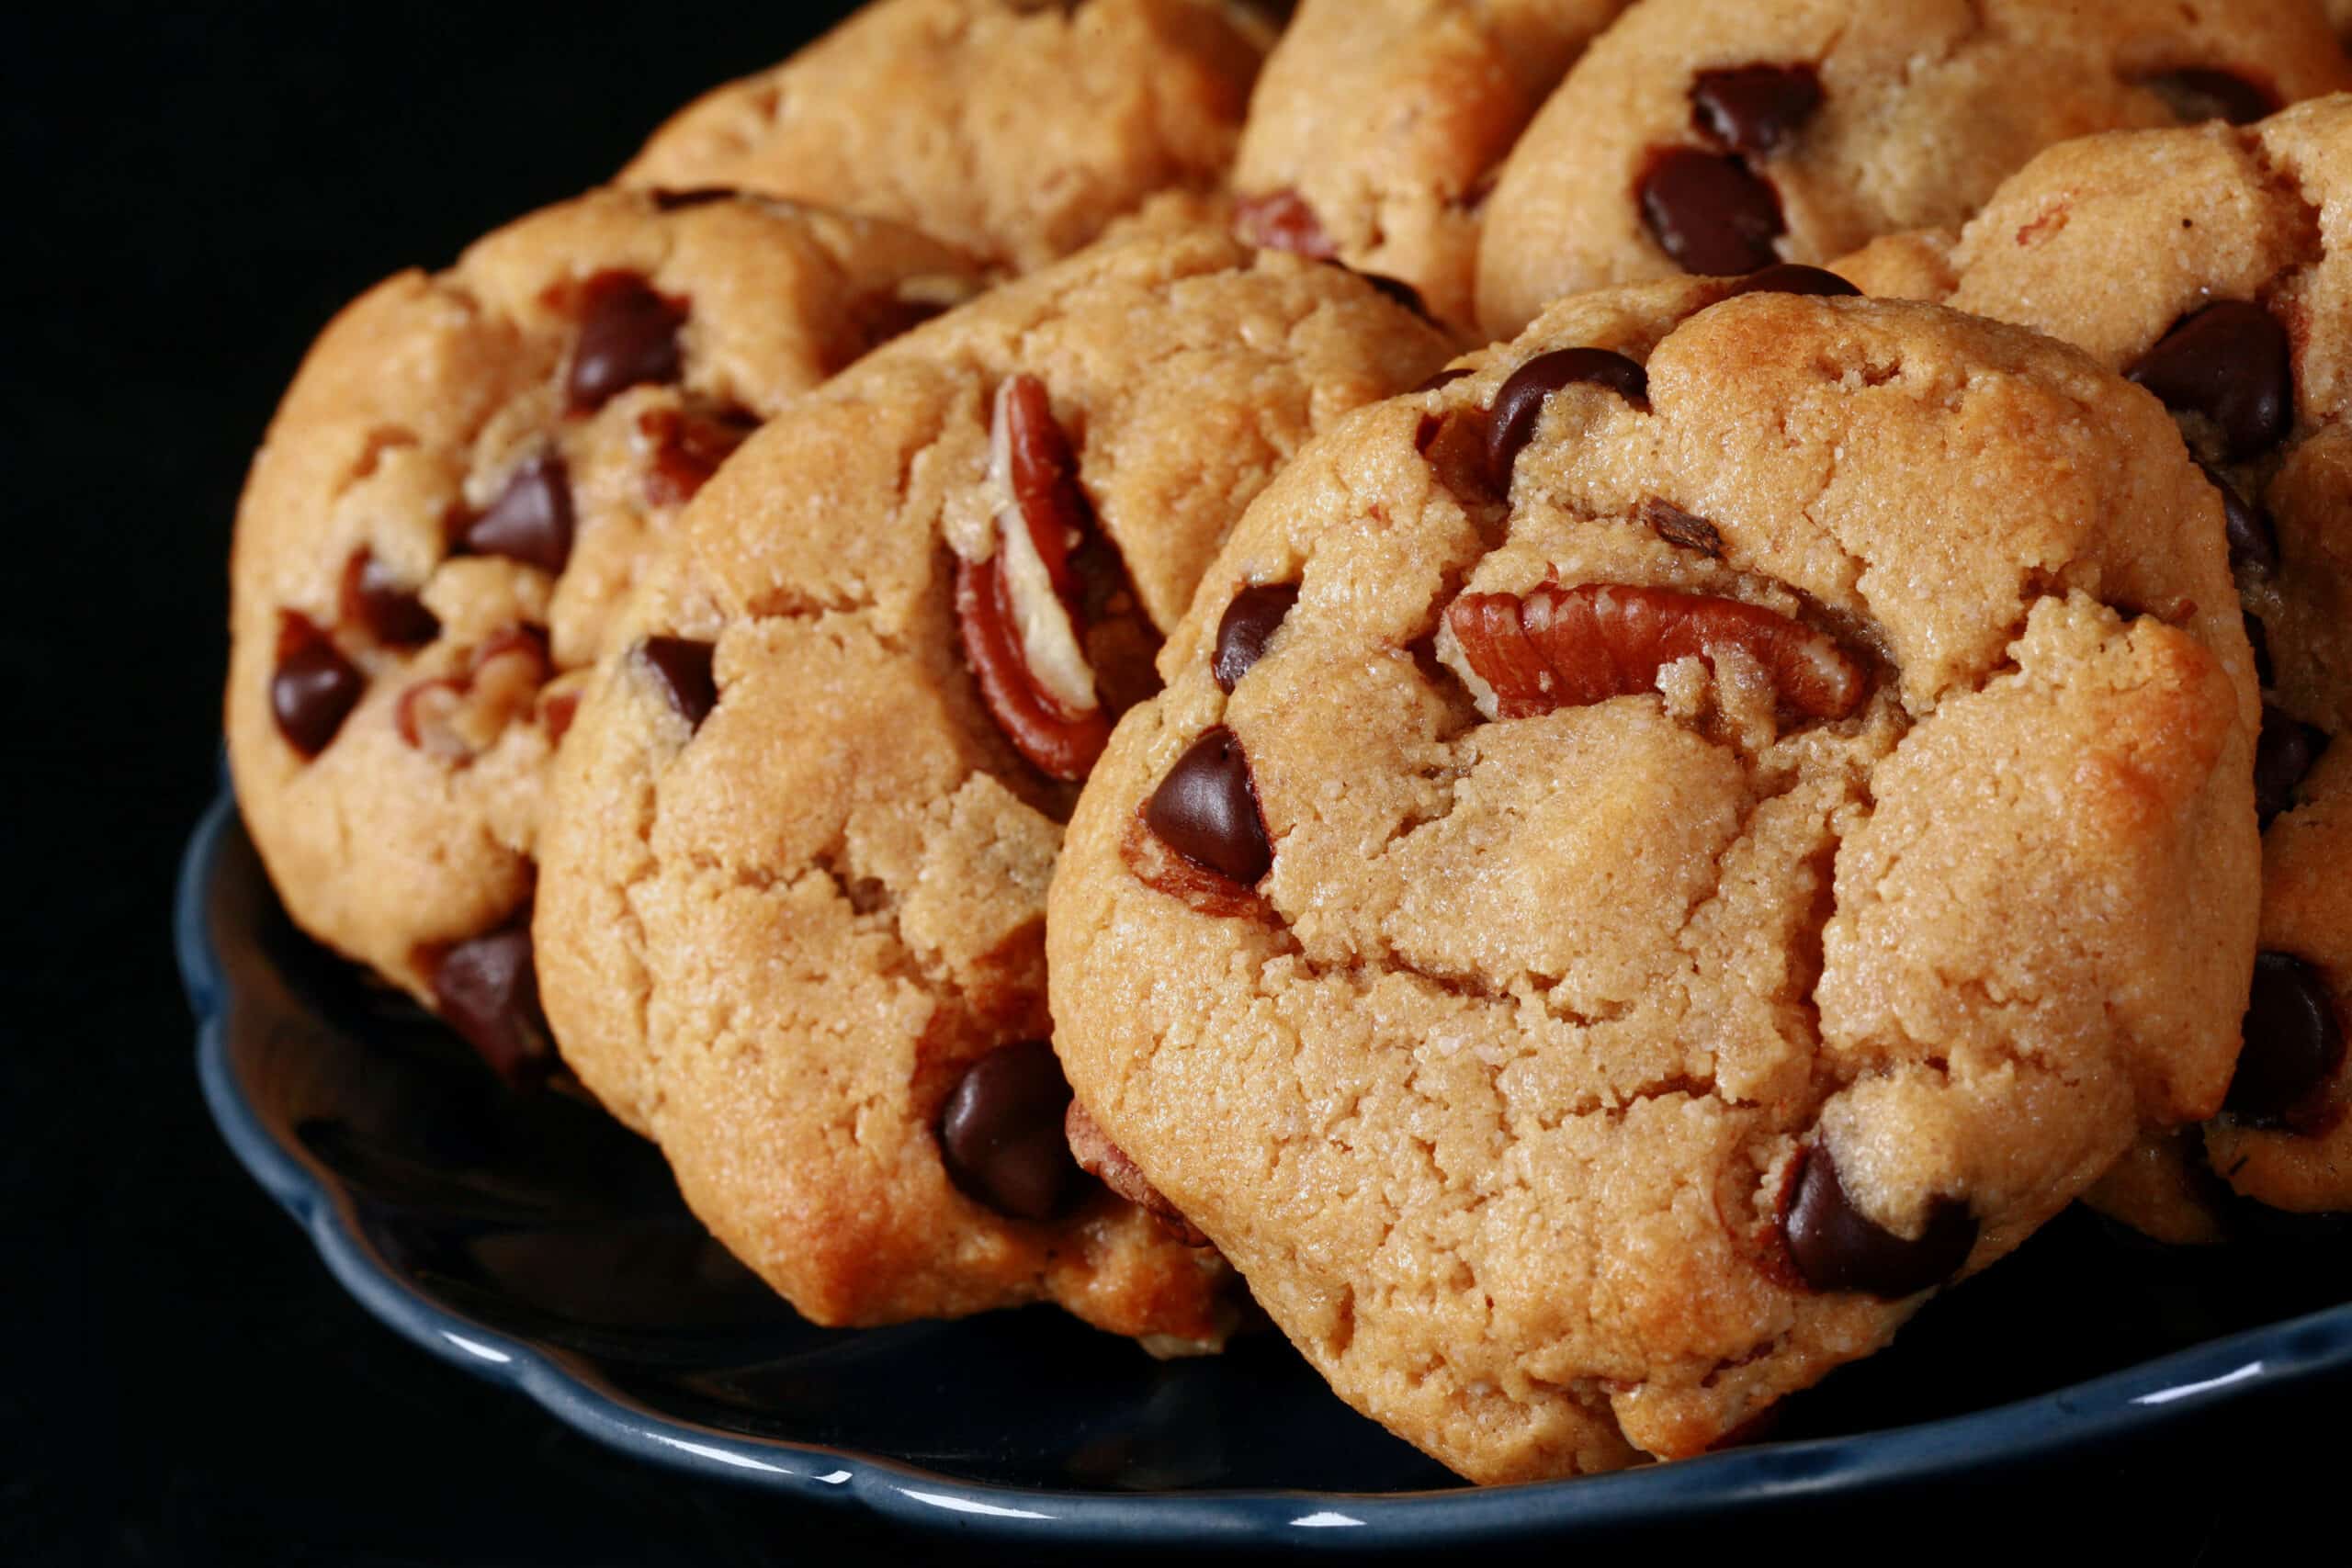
2136,1399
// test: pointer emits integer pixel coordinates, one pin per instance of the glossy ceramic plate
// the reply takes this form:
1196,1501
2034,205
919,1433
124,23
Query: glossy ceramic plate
534,1242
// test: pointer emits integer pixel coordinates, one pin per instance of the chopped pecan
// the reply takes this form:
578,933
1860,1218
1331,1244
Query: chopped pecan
1019,612
458,717
687,448
1281,221
1108,1162
1557,648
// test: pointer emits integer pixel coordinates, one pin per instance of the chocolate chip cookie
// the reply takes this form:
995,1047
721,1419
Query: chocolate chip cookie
1657,853
791,908
1704,137
1377,125
2235,309
1013,128
457,491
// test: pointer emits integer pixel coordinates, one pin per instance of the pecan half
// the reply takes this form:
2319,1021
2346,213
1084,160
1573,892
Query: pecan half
1557,648
1108,1162
1019,613
458,717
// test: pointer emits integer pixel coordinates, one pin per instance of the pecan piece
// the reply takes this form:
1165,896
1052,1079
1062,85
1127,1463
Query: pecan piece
1557,648
686,449
1108,1162
1281,221
1019,612
458,717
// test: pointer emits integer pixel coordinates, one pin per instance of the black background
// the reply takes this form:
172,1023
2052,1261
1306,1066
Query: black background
192,196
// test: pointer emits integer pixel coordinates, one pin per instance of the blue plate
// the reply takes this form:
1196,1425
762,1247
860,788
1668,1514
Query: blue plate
532,1241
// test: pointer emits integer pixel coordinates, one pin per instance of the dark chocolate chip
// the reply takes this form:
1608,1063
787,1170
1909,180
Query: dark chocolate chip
1399,290
1250,624
1836,1246
2197,93
489,991
685,666
696,195
531,520
314,687
1794,277
2294,1042
2253,542
1001,1134
1511,424
1754,109
2257,637
389,610
628,336
2231,362
1676,526
1445,378
2283,757
1207,810
1709,212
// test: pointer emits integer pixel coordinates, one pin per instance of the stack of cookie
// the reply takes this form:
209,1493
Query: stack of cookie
967,650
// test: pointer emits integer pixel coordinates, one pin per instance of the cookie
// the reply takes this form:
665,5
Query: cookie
1377,125
791,906
2236,310
1657,853
1014,128
451,501
1721,136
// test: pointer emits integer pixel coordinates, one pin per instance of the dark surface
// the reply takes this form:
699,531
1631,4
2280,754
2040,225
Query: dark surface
180,1382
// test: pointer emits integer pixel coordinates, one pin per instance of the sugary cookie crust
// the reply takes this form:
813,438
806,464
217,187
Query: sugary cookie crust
1015,128
1376,126
1495,1087
2260,214
775,936
1922,107
411,829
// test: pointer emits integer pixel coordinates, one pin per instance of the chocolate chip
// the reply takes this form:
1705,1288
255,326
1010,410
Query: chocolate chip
628,336
1207,810
1445,378
2231,362
1709,212
696,195
1754,109
1676,526
2257,637
314,687
489,991
1399,290
390,611
1794,277
2283,757
2197,93
1838,1248
531,520
1250,624
1001,1134
685,666
2294,1042
1519,405
2253,542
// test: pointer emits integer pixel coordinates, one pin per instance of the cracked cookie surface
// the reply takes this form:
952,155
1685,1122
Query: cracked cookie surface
1377,126
792,905
1702,137
1014,128
457,491
1694,867
2237,310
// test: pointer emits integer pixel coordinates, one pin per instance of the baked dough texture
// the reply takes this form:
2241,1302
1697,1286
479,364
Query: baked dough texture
1014,128
1697,132
779,932
2228,218
1890,834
